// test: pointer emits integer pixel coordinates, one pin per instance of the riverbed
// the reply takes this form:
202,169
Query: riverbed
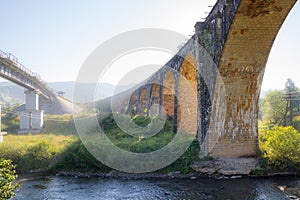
70,187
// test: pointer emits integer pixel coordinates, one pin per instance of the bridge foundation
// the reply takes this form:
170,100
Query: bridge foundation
31,119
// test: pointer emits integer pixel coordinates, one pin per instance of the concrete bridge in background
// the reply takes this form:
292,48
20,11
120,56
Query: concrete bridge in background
224,63
38,96
32,117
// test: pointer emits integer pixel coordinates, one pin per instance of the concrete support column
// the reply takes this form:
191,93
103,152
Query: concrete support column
37,120
31,119
31,100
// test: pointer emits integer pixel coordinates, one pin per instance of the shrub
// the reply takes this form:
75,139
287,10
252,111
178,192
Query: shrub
77,158
183,163
141,120
7,176
38,156
281,147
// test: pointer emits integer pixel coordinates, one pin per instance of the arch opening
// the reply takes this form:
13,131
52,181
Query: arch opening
168,94
154,99
132,104
142,107
187,93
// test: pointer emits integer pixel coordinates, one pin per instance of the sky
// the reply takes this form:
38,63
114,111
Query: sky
55,37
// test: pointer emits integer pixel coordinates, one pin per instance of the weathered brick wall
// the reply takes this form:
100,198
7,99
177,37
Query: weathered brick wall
241,67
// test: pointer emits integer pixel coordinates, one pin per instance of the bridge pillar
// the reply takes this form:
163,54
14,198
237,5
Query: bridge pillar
137,97
31,119
160,98
233,130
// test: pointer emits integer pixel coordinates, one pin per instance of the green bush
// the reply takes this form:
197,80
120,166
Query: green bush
7,176
77,158
281,147
183,163
38,156
10,123
141,120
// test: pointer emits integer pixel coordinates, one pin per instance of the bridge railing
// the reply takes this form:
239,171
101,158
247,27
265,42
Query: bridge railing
12,58
15,61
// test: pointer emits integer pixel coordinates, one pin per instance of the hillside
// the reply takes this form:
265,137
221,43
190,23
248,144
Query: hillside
12,94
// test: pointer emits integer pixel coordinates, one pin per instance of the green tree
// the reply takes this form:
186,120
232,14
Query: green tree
7,176
281,147
273,107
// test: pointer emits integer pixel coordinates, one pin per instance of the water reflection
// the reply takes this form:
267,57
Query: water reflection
54,187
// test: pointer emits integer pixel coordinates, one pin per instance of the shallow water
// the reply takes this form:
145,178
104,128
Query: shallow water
56,187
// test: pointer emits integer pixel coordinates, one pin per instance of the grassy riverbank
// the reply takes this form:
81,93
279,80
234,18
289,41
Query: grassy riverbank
58,148
34,152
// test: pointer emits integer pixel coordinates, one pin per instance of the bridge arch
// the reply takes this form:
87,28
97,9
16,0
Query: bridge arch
154,99
168,93
142,103
188,70
132,109
187,93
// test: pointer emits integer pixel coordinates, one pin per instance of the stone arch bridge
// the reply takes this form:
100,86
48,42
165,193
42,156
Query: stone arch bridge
224,63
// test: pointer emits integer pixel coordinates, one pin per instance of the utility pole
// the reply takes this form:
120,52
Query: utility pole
289,107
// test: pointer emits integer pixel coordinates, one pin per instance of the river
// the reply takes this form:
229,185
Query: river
60,187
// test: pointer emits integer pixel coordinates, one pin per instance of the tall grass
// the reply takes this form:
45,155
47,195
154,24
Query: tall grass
59,125
139,144
58,148
33,152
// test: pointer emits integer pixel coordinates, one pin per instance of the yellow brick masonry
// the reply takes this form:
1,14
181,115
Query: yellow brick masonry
241,68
